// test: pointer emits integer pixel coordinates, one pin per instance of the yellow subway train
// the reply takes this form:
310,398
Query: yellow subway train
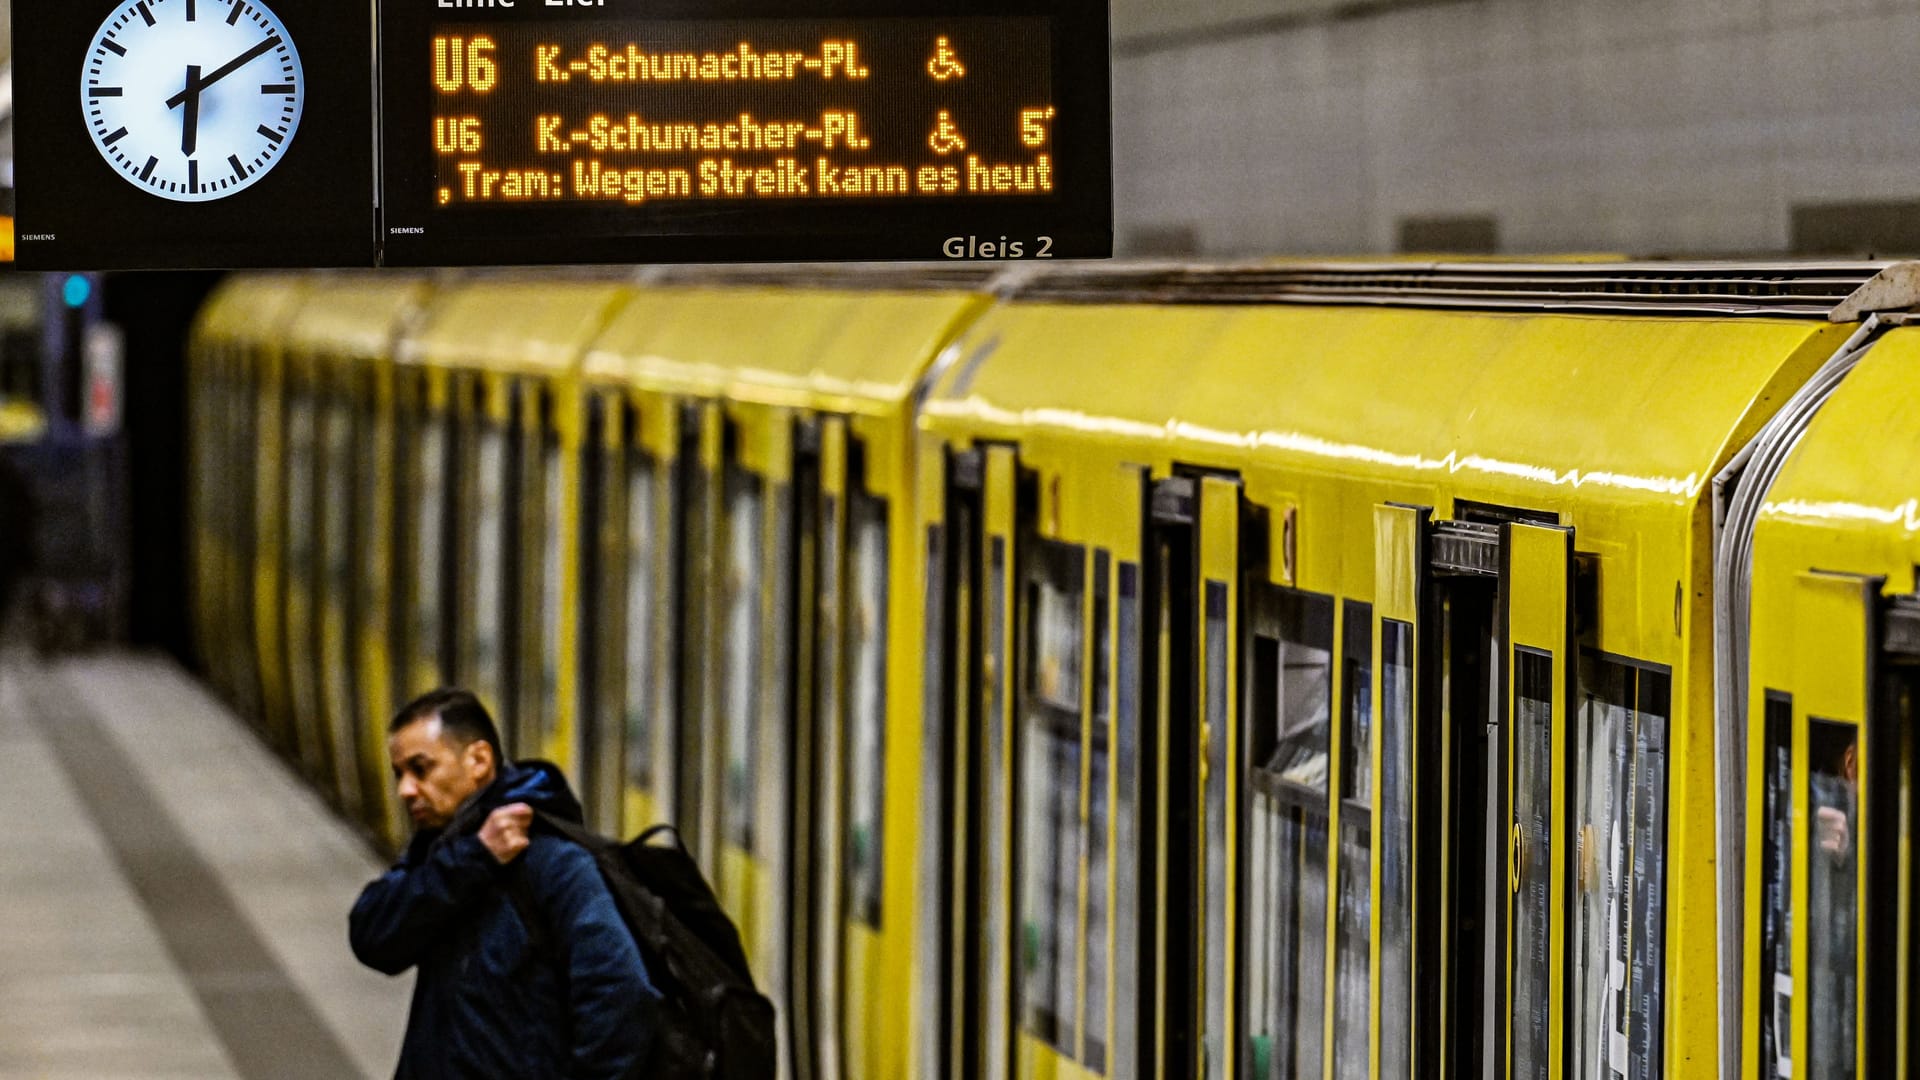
1263,672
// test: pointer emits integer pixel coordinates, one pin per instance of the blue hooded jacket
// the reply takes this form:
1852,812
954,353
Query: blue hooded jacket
571,1000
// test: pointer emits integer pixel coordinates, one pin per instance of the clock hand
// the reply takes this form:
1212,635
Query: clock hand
190,121
224,70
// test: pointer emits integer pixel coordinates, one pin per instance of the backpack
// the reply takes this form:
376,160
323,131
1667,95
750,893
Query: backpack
715,1024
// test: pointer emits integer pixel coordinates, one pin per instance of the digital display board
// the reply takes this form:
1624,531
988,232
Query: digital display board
252,133
649,131
193,133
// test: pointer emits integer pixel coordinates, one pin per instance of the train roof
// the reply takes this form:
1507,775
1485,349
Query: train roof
514,324
807,345
1849,496
1539,408
250,307
354,315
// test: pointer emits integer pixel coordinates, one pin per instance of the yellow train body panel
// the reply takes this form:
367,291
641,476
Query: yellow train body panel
1838,538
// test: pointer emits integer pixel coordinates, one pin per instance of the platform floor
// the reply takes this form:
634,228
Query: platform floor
173,901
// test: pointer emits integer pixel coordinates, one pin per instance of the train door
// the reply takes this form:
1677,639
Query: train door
489,492
1893,939
422,508
983,524
1217,806
535,527
335,597
1029,779
697,785
299,582
1465,799
1835,932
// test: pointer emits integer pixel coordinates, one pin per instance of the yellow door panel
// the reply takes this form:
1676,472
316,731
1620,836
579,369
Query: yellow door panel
1218,814
1539,633
1832,640
1399,573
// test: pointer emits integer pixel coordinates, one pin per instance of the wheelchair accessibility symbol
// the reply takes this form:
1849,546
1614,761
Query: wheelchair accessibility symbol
945,64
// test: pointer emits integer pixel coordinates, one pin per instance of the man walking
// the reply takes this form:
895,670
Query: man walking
525,967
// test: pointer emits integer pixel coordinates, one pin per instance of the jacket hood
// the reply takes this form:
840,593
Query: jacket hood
539,784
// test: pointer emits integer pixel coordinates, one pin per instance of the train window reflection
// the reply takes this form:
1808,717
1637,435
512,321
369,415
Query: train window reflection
1355,898
1396,850
740,658
489,563
1532,862
866,759
1094,834
1290,706
1127,1036
637,708
1833,887
1049,797
1619,870
1776,895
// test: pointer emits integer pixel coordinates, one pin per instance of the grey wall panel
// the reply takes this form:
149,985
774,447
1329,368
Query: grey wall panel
1636,126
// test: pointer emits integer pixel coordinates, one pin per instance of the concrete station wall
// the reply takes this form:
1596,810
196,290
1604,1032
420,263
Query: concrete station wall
1636,126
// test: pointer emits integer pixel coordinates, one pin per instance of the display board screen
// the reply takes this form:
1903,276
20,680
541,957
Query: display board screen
637,130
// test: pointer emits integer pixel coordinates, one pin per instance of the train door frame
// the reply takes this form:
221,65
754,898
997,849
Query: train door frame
985,496
341,420
301,473
374,629
1472,602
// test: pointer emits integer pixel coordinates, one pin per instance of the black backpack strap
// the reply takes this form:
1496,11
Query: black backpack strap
646,838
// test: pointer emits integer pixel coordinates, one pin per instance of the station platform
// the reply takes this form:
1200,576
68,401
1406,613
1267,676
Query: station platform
173,901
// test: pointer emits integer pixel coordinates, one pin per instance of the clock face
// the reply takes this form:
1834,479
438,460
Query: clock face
192,100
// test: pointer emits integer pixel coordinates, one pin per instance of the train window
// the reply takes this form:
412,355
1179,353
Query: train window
300,472
994,804
1833,889
430,475
866,757
1396,850
1049,798
1355,899
1094,835
1620,796
1126,1036
1290,714
553,488
1219,713
1532,862
638,710
740,658
1776,894
491,525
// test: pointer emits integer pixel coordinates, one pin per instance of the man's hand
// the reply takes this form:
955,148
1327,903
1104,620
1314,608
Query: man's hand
505,832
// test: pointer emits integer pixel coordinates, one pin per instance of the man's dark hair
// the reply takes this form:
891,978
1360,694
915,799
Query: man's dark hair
462,718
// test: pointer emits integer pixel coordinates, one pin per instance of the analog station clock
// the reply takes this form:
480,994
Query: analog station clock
192,100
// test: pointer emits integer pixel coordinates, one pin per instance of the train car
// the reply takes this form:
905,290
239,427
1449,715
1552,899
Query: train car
1287,650
234,359
1832,679
754,506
